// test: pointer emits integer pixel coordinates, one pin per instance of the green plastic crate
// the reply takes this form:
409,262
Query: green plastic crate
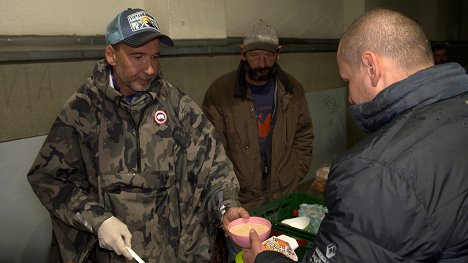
283,208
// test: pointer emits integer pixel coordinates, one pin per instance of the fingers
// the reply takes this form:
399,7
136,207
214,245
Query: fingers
122,250
254,237
256,245
127,238
244,214
239,212
234,213
114,235
119,246
248,256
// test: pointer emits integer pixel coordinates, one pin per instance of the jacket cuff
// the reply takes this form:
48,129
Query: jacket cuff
92,216
227,198
271,257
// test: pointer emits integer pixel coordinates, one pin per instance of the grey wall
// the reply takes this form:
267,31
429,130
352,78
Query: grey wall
35,92
25,228
442,20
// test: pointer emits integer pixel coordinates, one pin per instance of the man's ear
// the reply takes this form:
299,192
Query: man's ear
371,66
110,53
242,53
278,52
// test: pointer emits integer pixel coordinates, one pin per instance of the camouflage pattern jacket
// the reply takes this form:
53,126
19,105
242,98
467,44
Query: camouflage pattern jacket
156,164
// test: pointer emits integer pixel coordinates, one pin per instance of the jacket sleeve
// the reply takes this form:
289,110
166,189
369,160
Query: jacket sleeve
212,111
58,175
208,162
303,138
374,216
272,257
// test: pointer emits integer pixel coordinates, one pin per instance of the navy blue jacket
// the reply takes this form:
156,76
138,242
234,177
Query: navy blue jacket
401,194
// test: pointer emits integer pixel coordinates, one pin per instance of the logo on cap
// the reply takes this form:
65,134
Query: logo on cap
141,20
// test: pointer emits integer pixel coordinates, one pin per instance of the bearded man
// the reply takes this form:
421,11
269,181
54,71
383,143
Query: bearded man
263,119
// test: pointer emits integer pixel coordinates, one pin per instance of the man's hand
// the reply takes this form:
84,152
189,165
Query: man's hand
232,214
114,235
251,253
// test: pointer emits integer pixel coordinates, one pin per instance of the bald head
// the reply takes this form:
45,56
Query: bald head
389,34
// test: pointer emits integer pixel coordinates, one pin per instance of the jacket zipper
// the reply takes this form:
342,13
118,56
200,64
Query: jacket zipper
247,145
137,138
137,134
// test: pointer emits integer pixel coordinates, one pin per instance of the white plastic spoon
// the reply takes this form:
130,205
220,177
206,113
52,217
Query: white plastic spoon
135,255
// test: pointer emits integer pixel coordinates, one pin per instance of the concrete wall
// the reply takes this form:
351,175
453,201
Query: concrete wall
189,19
181,19
36,91
25,228
442,20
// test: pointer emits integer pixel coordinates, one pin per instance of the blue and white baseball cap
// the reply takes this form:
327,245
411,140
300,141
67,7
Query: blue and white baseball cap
135,27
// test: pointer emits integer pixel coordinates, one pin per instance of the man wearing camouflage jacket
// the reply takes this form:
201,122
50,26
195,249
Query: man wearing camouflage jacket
132,162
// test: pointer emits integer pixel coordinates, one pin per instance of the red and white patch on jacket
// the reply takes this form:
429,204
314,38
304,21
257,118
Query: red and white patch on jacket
160,117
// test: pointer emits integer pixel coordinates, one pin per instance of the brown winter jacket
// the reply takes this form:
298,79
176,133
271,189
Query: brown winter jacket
230,107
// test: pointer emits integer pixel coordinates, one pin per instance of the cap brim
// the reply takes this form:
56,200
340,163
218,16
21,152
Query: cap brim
262,46
139,40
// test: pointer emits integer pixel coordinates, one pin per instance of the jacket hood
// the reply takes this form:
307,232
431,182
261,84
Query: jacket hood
240,90
425,87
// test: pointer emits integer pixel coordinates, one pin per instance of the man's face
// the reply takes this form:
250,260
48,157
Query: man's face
260,64
359,85
440,56
135,68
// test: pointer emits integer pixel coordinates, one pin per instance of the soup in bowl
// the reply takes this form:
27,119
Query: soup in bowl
239,230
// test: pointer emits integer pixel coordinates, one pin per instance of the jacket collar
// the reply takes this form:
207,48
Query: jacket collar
240,90
425,87
101,75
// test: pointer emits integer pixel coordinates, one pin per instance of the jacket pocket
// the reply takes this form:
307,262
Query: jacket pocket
288,175
143,202
238,141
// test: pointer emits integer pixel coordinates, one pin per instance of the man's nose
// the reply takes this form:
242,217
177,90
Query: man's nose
262,62
151,67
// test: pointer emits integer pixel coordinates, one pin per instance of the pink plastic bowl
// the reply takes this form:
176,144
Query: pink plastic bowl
244,241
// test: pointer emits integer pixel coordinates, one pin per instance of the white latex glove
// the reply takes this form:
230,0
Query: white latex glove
114,235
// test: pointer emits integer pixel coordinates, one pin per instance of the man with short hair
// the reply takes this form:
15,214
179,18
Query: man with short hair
400,195
261,113
131,162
